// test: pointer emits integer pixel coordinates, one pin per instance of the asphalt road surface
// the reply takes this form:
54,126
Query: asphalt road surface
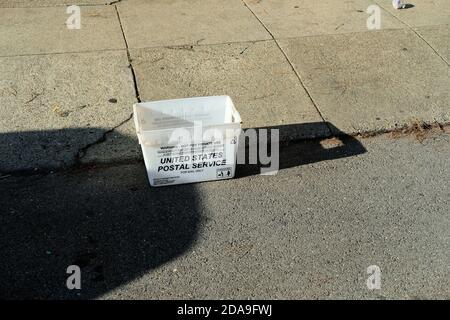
311,231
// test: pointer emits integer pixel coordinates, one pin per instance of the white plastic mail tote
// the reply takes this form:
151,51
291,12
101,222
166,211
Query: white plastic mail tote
188,140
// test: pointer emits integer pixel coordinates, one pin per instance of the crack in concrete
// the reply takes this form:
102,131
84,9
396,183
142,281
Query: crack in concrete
82,151
34,96
114,2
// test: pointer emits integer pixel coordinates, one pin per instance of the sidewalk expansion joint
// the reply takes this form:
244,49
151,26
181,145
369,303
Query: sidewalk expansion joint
291,65
60,53
431,47
109,3
417,34
130,61
82,152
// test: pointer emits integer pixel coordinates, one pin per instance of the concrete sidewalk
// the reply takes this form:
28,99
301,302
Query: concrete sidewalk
283,63
310,68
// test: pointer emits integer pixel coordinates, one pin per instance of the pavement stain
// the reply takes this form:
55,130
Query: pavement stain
331,143
65,113
158,59
186,47
419,130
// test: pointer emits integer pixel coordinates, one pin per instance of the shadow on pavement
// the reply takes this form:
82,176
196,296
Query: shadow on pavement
109,222
297,153
106,220
408,6
44,149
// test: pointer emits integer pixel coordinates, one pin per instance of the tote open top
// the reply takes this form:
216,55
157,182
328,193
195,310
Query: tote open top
182,113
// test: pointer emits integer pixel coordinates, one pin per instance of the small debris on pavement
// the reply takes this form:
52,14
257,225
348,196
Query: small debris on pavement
397,4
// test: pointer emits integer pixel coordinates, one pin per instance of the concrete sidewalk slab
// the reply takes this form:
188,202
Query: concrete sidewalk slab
373,81
438,38
178,22
422,13
48,3
44,30
52,106
294,18
257,76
